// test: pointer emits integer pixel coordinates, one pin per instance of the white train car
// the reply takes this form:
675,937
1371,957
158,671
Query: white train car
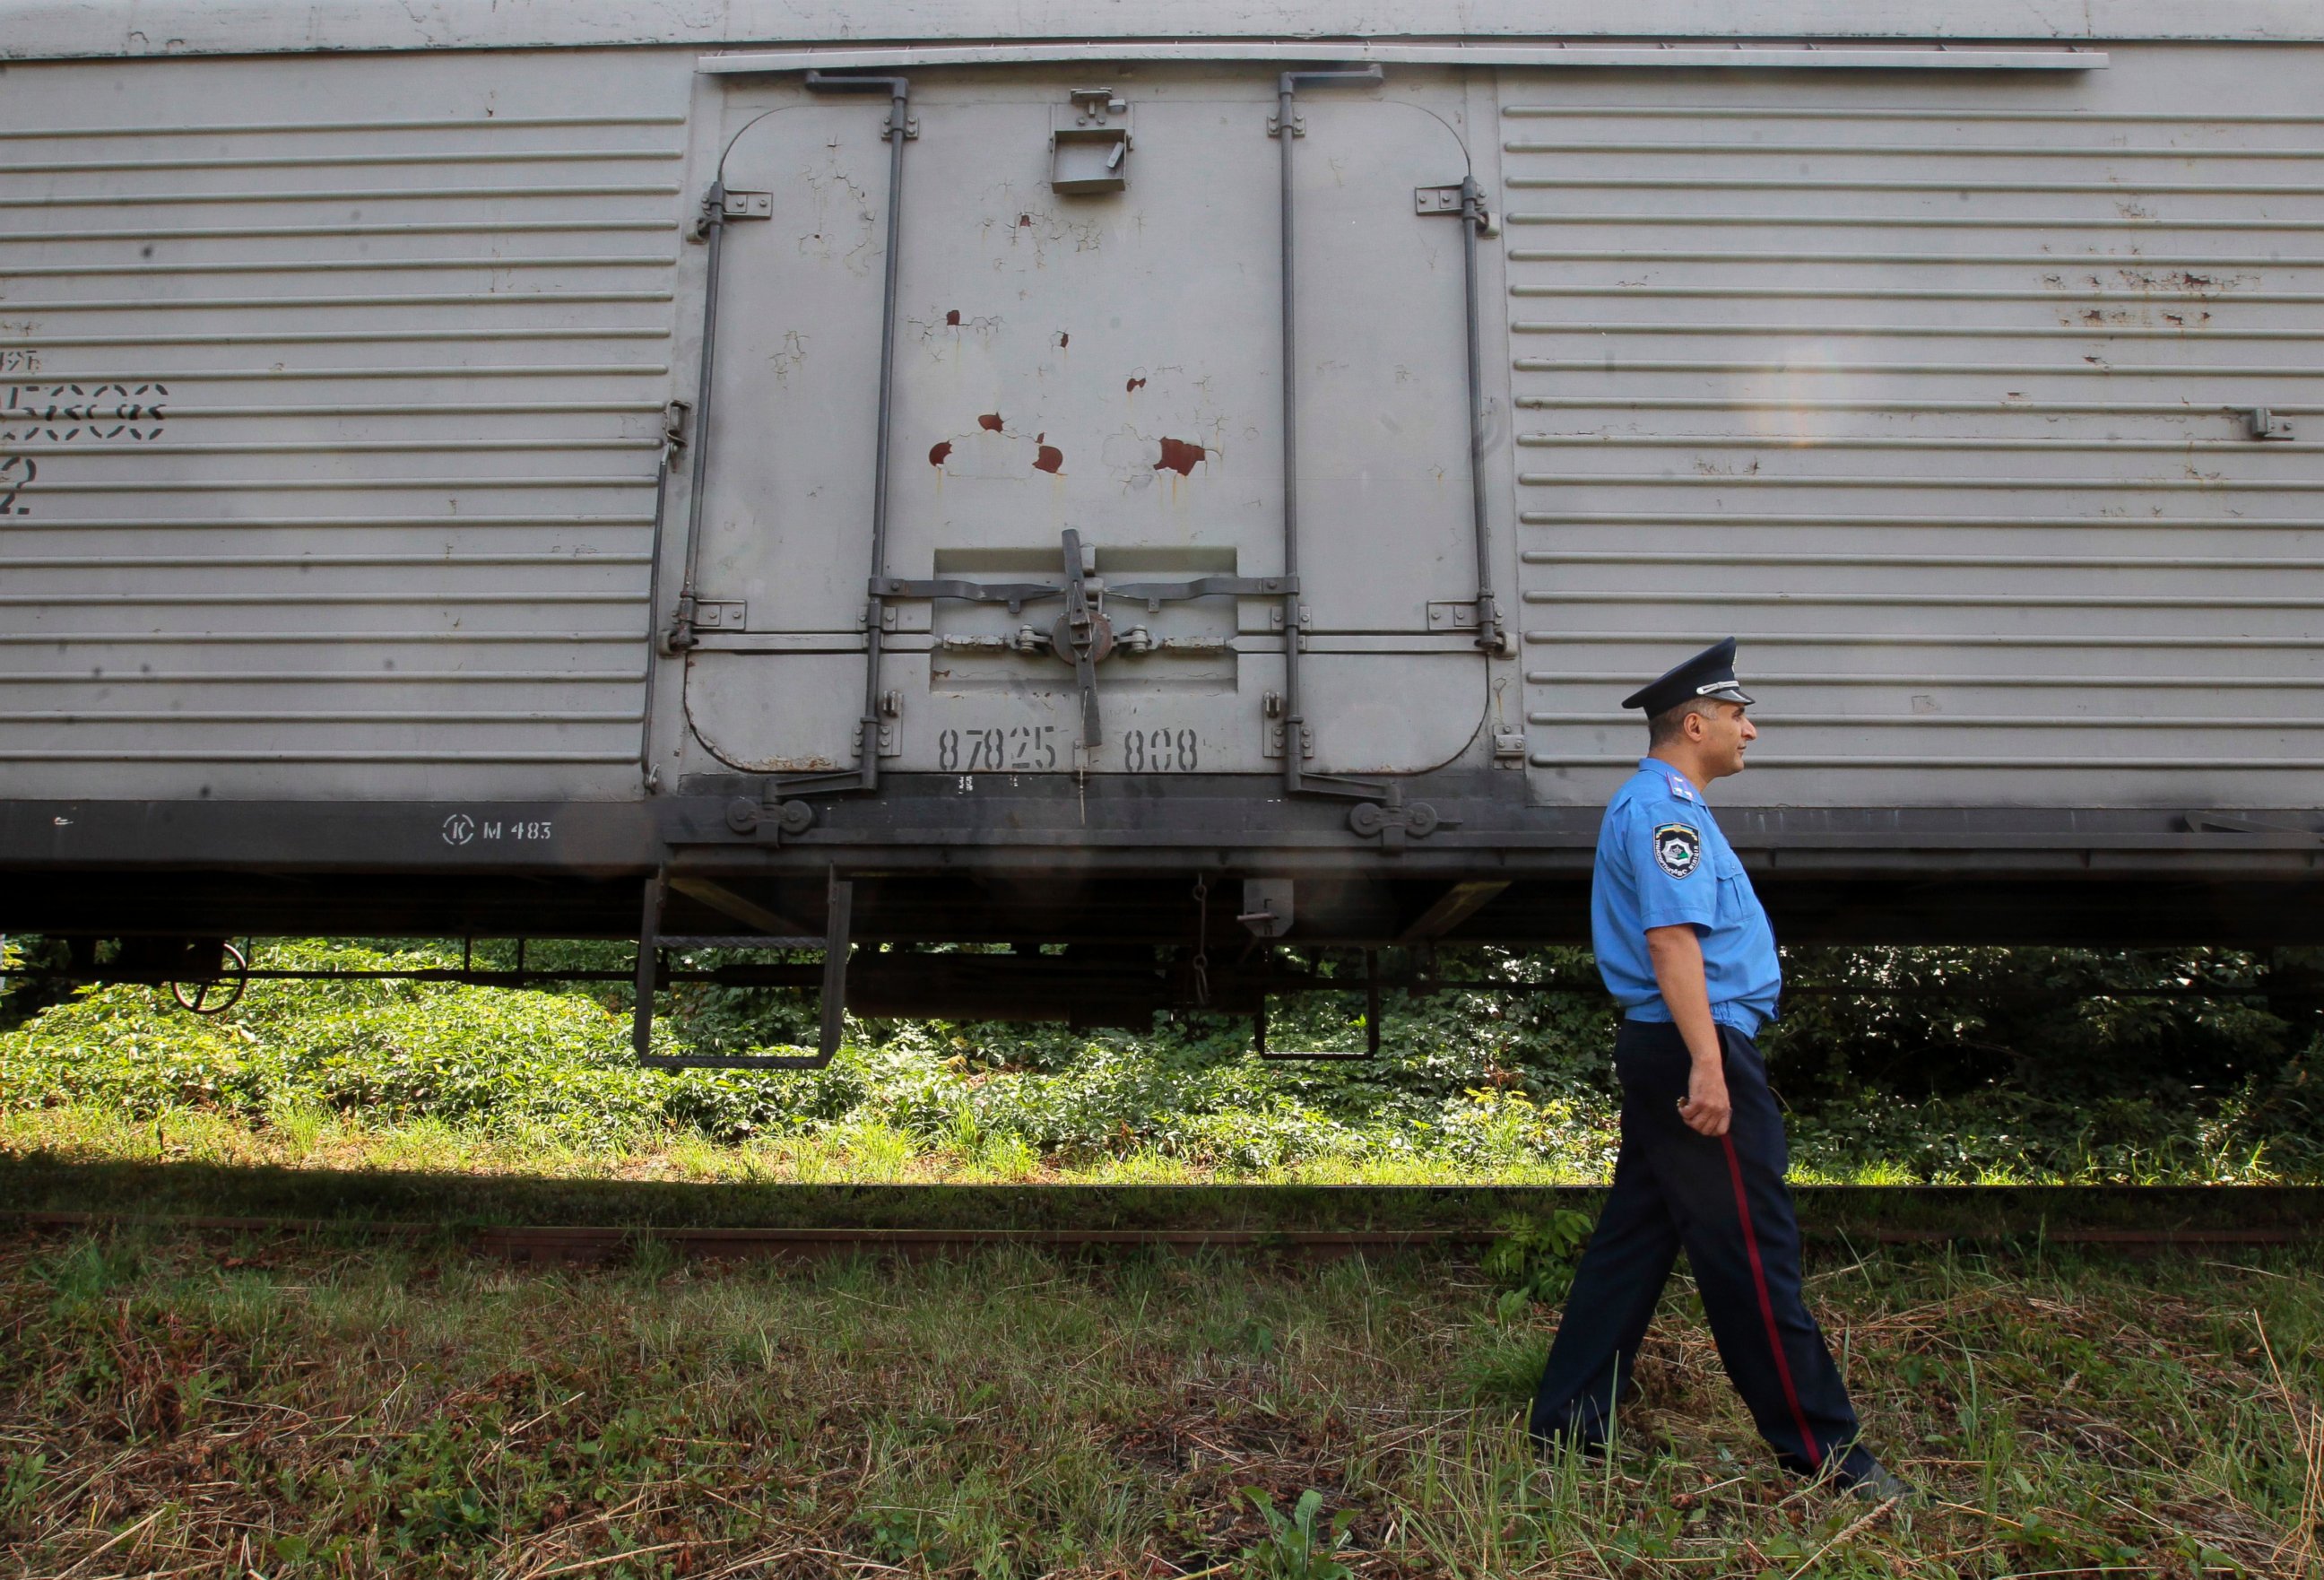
1000,472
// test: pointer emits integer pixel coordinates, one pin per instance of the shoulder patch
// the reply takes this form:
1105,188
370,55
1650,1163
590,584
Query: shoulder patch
1678,787
1678,848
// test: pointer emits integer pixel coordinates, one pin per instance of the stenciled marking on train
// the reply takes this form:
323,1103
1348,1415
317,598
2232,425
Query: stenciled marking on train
1160,751
1020,747
461,828
63,413
16,474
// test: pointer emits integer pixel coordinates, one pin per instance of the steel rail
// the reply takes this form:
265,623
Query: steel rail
810,972
584,1244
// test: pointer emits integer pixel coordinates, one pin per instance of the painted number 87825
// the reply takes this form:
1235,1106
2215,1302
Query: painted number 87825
1032,748
1026,748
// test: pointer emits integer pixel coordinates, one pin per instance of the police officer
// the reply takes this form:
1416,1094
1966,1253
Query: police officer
1685,949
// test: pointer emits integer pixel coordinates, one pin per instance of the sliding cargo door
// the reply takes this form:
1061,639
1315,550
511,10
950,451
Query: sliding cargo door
1099,363
1984,408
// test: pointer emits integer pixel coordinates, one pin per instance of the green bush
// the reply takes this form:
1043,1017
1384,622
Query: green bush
1464,1082
1987,1064
557,1065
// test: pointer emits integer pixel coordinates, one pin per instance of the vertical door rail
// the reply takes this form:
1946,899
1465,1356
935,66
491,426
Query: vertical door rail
794,816
901,130
1493,635
1379,812
713,229
1285,128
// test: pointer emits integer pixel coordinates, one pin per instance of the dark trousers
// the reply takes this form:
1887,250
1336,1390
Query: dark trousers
1724,1201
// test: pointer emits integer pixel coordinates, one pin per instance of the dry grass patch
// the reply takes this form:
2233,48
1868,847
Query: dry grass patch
176,1404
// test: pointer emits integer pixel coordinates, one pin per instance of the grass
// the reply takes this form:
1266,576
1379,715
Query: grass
181,1405
356,1073
868,1152
175,1403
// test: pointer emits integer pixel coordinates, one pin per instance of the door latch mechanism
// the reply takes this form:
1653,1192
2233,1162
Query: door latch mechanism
1083,637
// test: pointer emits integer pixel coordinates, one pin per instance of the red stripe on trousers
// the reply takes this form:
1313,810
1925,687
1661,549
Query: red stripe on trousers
1766,1306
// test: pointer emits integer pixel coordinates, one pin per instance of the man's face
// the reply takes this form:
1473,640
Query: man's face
1726,735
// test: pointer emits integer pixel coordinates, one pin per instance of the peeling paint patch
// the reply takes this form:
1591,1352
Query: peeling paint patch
1046,230
841,206
939,452
1180,457
1050,458
790,357
940,344
990,422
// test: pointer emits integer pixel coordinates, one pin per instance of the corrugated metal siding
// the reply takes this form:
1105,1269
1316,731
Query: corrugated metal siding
1932,393
338,390
39,29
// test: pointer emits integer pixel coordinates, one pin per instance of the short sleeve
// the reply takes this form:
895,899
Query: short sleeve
1670,862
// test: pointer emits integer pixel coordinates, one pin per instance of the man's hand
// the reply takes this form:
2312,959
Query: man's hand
1677,955
1706,1109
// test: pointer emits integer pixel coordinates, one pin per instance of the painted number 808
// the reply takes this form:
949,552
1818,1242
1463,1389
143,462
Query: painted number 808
1159,752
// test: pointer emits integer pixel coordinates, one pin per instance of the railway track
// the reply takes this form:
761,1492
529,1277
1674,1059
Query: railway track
2129,1220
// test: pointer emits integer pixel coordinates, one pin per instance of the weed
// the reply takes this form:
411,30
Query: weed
20,1476
1533,1259
1293,1548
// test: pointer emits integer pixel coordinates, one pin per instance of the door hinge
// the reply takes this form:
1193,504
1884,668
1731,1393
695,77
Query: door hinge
1274,744
2262,423
892,743
1461,200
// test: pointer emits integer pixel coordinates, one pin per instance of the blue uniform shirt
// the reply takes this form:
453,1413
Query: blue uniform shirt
1661,861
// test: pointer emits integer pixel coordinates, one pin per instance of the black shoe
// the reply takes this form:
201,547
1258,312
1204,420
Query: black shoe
1877,1484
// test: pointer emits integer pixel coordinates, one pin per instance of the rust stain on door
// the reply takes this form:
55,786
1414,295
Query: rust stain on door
1181,456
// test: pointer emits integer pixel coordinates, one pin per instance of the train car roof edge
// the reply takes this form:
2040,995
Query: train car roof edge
35,30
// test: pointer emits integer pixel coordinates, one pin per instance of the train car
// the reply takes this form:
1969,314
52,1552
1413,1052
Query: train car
868,474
